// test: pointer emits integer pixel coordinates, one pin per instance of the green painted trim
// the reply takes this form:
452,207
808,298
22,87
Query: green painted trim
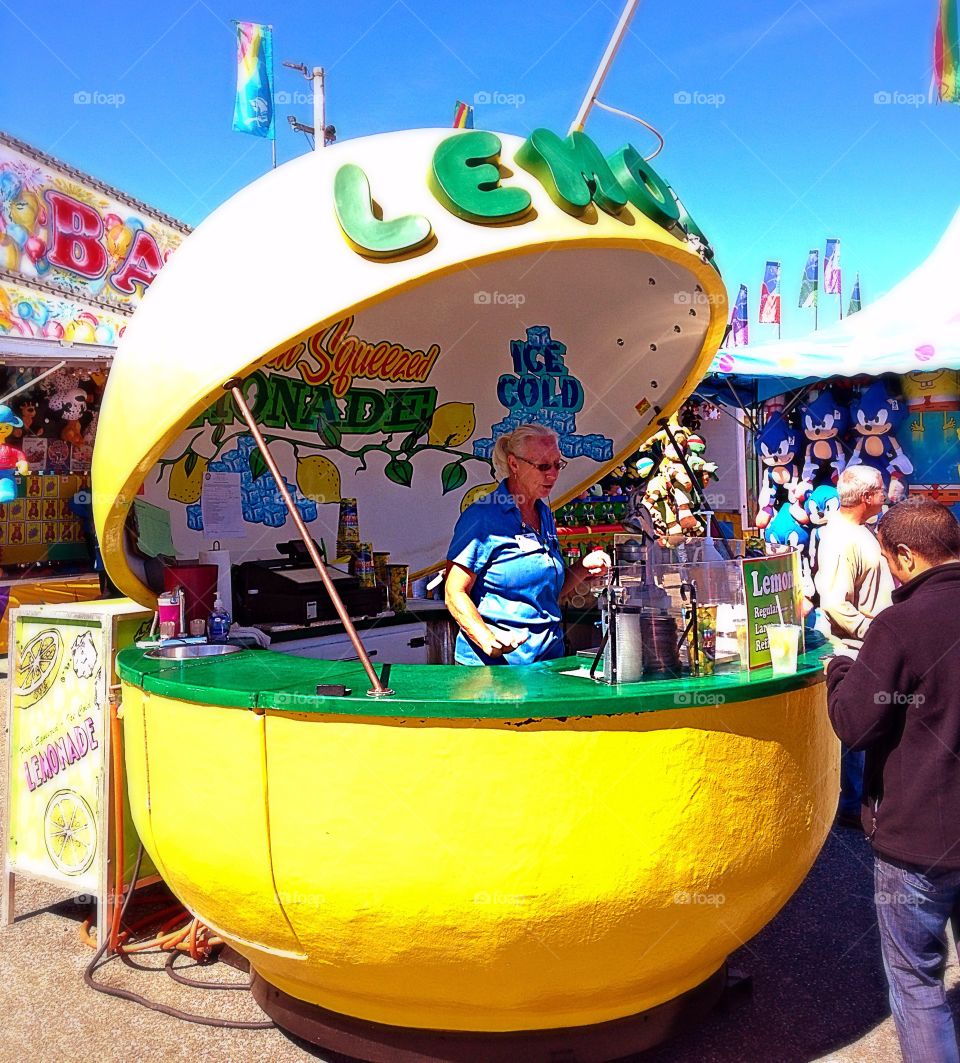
465,177
368,234
267,680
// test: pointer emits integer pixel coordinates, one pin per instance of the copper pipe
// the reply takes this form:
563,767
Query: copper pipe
377,690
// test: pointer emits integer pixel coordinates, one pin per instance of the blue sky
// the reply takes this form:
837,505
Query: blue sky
806,118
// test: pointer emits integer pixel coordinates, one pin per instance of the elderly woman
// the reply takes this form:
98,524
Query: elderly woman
506,576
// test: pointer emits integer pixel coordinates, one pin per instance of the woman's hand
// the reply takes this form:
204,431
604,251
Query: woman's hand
495,641
596,563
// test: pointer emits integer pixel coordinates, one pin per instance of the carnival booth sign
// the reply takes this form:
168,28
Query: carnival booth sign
60,810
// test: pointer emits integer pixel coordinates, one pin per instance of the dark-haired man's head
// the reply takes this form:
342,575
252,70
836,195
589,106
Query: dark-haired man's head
916,535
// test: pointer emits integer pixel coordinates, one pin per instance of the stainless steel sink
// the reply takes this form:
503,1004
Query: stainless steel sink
193,649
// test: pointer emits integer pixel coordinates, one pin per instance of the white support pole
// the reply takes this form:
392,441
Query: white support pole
319,109
605,63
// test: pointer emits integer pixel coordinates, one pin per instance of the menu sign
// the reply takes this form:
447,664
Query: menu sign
773,595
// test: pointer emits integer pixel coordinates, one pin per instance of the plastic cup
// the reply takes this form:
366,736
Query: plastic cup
784,640
168,609
743,642
380,559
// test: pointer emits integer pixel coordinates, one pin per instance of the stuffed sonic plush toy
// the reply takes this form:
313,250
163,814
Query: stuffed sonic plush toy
778,446
824,422
876,417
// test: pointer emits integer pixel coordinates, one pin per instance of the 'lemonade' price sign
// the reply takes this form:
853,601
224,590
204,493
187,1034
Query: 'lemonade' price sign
768,581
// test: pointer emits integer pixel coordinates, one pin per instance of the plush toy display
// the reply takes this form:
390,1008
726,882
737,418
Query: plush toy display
876,416
820,503
778,447
12,459
824,422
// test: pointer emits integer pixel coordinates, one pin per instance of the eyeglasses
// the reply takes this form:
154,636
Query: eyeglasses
544,466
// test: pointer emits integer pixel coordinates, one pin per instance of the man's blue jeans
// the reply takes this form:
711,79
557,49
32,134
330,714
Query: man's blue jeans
851,780
914,911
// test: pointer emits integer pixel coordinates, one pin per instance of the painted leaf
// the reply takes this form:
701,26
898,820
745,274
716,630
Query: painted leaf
400,471
191,463
330,433
453,476
257,465
218,433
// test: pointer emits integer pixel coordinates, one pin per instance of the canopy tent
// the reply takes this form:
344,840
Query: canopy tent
915,326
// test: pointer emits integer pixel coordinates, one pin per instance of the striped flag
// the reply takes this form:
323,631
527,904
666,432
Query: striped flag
832,281
854,298
946,52
811,281
770,295
253,110
739,320
462,116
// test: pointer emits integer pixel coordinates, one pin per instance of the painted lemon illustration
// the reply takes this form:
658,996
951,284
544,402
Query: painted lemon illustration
69,832
186,479
475,494
318,478
37,664
453,423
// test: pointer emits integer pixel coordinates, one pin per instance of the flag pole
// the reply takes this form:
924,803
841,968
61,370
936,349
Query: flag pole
608,56
273,103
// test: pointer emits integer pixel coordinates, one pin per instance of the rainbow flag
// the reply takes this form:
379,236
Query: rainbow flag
832,280
739,320
811,280
855,299
462,116
770,295
946,52
253,110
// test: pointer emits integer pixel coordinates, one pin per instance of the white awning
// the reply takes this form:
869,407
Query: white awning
38,352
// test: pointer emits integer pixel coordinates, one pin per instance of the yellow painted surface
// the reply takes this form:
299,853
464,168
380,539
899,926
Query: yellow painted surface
487,876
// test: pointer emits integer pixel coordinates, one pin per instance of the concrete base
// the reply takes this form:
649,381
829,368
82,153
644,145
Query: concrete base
377,1043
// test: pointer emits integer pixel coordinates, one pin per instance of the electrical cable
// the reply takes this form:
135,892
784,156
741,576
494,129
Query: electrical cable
196,983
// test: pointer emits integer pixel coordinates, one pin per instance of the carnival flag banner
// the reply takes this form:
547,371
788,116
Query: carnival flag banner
832,282
253,110
770,295
946,52
462,116
855,303
811,281
739,320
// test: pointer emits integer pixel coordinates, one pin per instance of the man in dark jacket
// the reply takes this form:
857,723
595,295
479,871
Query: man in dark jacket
900,702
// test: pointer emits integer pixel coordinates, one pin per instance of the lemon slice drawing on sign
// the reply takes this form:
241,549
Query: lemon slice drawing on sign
37,665
70,832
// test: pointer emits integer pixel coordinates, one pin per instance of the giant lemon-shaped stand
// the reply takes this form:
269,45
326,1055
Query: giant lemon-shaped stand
501,853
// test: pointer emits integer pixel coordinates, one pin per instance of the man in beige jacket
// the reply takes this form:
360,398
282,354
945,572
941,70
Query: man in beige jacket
854,584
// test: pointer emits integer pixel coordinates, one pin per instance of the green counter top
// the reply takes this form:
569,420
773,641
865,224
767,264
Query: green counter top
264,680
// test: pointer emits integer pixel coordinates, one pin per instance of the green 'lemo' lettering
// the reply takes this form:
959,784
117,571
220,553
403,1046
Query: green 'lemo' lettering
572,170
644,187
370,235
465,178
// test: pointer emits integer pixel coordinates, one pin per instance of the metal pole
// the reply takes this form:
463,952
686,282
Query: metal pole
319,109
608,56
30,383
377,690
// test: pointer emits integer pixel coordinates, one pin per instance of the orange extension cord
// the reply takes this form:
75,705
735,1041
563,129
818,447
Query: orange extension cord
192,937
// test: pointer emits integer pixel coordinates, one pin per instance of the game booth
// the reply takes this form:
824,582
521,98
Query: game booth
421,860
880,388
76,255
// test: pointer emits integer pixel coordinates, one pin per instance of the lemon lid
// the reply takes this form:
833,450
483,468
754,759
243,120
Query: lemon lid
637,310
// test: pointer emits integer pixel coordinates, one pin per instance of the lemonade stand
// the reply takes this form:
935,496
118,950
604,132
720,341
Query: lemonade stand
482,863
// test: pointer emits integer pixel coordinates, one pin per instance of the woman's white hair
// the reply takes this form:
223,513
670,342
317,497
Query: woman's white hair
513,443
857,481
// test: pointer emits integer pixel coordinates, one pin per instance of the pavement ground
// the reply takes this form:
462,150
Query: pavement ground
818,990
